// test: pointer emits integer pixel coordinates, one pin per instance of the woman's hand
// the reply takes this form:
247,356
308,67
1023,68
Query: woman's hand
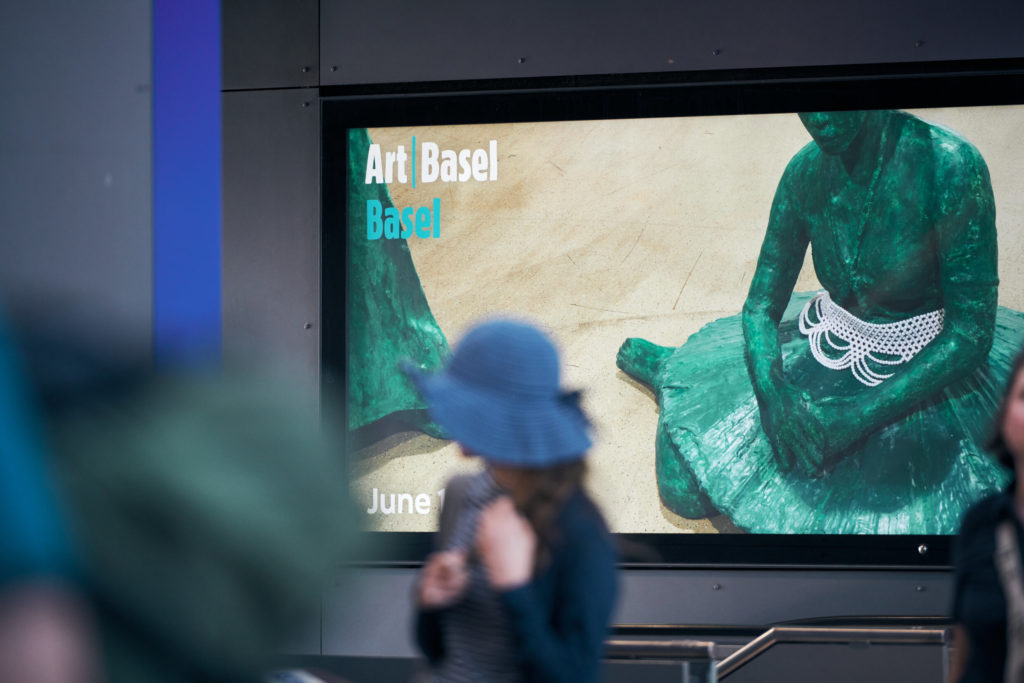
506,544
443,579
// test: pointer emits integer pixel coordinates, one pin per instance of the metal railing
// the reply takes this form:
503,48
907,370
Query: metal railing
670,648
692,660
698,652
828,634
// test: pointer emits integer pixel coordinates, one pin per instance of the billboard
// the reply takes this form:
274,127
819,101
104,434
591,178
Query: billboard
785,324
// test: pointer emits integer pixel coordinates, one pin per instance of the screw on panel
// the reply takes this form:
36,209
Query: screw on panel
308,326
919,589
521,60
716,52
716,587
918,43
334,68
305,69
922,549
305,104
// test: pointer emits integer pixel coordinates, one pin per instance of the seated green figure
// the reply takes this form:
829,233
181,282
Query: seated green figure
860,408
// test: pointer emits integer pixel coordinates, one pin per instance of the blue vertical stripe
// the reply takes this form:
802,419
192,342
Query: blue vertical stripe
186,180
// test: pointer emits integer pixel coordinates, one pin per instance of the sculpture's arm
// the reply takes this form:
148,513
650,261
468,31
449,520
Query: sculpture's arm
782,255
966,231
966,238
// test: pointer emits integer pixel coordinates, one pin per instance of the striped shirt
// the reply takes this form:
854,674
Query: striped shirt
557,622
478,641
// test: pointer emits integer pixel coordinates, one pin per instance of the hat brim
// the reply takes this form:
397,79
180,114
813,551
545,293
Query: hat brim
509,430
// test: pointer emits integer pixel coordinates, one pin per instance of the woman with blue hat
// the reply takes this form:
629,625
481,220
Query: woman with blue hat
523,581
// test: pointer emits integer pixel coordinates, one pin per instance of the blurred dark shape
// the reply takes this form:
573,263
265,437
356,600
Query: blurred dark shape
34,540
47,634
211,506
304,676
630,550
46,630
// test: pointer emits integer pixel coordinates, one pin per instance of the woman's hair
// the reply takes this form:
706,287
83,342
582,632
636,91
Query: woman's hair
996,443
549,488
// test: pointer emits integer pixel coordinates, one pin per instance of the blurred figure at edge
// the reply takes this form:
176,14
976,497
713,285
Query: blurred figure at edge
988,601
46,627
208,506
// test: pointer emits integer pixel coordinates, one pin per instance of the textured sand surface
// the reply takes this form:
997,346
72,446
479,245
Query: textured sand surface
603,230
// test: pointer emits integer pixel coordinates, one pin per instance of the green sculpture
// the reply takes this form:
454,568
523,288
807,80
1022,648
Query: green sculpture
858,409
389,319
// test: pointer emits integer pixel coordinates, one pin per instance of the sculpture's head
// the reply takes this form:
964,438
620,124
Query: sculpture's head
833,131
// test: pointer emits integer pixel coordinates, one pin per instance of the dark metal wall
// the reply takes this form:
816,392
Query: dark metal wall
394,41
270,44
372,617
271,231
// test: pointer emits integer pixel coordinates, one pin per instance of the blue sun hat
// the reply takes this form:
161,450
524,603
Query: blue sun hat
499,396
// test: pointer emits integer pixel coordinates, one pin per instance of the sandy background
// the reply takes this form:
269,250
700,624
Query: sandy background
603,230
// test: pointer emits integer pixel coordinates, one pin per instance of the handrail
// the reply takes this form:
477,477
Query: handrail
823,634
713,631
674,648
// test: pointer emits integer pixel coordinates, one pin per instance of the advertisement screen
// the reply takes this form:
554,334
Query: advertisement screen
782,324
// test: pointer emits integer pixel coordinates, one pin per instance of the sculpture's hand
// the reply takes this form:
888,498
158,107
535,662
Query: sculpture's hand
804,437
806,433
798,435
844,422
776,404
818,432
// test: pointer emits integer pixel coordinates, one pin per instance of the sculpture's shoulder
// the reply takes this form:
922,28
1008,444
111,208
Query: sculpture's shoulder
804,164
951,152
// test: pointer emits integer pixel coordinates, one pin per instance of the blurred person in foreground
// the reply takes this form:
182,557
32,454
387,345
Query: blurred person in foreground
988,593
210,507
523,582
46,628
